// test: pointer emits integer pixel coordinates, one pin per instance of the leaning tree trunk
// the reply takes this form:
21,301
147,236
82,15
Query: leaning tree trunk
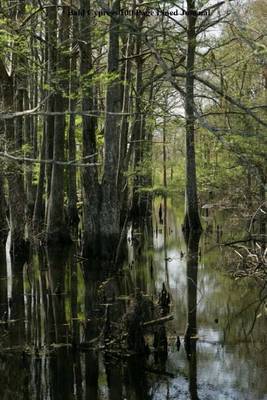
192,220
110,215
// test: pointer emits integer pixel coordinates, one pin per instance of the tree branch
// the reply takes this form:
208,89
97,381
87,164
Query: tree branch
71,163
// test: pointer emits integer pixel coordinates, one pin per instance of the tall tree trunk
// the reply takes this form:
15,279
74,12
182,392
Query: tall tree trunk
192,220
124,129
73,218
263,182
39,207
3,283
56,227
263,201
51,55
89,175
110,218
3,204
138,133
28,130
3,209
164,151
13,171
142,138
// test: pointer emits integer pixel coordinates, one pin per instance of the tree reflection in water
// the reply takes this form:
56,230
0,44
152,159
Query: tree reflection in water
54,304
61,372
190,337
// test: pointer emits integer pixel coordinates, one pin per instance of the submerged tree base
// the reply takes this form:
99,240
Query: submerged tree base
191,228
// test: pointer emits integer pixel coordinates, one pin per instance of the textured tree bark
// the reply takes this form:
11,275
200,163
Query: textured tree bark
16,186
110,218
89,175
56,226
124,128
13,172
3,284
73,218
28,130
148,180
141,137
263,182
138,134
3,209
50,121
3,204
13,100
192,220
50,53
263,200
39,206
142,200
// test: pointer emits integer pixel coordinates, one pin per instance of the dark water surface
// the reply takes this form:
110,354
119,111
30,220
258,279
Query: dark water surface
56,301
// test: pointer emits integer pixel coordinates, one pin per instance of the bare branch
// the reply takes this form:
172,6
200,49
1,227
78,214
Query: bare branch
71,163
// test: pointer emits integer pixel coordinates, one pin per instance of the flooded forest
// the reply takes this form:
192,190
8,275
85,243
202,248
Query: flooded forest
133,200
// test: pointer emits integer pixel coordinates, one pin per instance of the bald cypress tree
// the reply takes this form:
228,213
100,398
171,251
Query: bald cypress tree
56,223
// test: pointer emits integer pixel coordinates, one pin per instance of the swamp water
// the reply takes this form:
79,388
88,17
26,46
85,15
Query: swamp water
54,304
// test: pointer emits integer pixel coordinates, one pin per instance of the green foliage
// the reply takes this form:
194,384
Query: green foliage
92,78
